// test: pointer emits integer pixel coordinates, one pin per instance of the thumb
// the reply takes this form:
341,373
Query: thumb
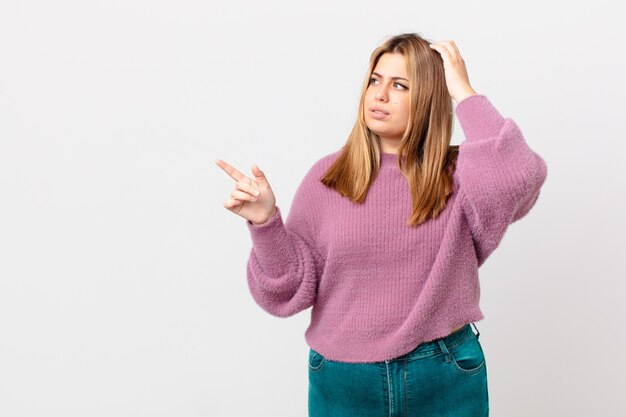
259,175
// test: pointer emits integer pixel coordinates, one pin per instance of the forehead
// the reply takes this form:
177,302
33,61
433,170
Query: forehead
391,64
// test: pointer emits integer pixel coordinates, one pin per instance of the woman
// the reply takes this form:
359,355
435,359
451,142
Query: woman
385,236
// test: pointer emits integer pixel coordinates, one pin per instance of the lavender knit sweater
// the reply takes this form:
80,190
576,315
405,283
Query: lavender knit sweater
379,287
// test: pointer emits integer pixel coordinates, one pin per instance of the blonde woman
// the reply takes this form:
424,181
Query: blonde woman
385,236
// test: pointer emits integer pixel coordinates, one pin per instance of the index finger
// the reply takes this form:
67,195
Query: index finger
230,170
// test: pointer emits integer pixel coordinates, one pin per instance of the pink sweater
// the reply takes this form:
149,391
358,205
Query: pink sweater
379,287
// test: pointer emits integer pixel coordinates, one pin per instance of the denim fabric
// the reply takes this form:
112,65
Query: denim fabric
446,377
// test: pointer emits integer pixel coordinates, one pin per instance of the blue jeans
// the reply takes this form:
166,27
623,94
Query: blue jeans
446,377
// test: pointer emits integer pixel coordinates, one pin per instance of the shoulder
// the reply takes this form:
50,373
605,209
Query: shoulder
320,165
312,178
311,187
327,160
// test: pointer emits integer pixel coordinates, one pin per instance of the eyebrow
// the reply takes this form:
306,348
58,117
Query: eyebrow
393,78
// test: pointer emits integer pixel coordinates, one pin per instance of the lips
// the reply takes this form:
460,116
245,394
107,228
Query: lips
378,109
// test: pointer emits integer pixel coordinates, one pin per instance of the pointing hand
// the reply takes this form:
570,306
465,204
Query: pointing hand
252,199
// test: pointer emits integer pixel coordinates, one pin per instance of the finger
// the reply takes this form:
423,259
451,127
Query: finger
259,175
446,50
455,49
437,44
230,170
242,195
439,47
232,203
249,186
445,45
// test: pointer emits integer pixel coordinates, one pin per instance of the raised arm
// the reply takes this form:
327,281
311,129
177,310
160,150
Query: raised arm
284,265
500,176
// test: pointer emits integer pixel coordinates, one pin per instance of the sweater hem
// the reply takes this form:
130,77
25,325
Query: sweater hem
394,353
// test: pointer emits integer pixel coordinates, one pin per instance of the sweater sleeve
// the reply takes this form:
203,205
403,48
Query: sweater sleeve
499,175
284,265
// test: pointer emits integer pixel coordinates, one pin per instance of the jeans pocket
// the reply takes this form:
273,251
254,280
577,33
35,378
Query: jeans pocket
316,361
468,356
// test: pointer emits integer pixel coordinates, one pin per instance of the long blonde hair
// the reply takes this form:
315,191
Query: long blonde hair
430,159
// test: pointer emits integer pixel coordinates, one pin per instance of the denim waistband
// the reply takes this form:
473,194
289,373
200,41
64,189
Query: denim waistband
434,346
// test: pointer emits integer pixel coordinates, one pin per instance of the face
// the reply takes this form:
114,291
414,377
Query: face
392,96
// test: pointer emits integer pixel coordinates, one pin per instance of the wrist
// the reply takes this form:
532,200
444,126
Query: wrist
267,219
466,93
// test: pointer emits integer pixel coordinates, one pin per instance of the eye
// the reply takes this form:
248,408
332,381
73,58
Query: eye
401,85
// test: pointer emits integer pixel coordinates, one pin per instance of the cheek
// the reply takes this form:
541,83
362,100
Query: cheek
400,102
400,111
404,108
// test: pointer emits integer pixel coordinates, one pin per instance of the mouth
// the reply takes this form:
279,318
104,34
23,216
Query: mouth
379,111
378,114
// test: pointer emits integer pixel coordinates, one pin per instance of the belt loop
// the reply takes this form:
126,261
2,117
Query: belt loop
477,332
445,350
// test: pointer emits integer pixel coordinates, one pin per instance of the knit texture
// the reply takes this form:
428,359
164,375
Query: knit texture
379,287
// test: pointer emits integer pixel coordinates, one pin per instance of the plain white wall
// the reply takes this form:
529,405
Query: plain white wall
122,276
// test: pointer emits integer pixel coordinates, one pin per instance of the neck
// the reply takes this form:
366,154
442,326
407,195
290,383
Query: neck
388,158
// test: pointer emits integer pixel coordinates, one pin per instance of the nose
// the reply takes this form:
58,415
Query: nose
381,94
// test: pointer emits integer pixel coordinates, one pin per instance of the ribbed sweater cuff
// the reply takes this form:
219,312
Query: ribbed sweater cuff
272,244
479,119
276,217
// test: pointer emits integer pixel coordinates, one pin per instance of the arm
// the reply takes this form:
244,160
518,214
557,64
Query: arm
499,176
284,265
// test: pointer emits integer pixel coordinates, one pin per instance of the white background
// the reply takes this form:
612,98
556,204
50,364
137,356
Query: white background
122,276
